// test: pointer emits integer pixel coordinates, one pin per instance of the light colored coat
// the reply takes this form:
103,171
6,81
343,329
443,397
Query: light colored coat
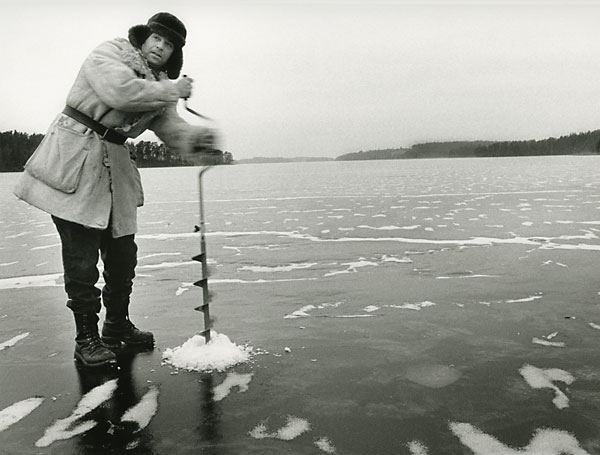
76,175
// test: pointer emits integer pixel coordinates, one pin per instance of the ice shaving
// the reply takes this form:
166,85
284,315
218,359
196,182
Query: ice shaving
218,354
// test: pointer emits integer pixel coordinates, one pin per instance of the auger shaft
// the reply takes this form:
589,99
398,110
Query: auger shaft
203,282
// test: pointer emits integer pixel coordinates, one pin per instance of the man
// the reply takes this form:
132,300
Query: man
83,176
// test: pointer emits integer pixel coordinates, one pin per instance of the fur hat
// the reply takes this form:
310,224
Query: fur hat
167,25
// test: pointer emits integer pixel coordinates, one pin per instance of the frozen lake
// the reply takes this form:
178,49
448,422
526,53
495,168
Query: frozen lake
392,307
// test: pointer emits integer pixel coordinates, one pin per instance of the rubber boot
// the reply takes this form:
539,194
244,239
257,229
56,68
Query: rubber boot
118,329
89,350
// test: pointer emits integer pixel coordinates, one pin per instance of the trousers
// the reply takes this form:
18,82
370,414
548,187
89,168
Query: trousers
81,249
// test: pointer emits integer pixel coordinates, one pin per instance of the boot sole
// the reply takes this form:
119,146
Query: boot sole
116,343
106,363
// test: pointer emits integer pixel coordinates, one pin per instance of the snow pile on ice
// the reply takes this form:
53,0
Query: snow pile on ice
196,355
541,379
545,441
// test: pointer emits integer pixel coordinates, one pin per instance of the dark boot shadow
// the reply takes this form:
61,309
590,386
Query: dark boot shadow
111,435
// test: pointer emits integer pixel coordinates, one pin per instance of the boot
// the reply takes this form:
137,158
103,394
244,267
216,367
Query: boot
89,350
117,331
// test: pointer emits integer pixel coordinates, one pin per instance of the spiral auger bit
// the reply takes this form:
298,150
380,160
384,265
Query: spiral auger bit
203,282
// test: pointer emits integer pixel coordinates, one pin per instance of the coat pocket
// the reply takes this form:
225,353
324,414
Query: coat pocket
58,160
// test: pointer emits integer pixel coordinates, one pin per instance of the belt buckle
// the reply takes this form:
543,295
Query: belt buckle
106,131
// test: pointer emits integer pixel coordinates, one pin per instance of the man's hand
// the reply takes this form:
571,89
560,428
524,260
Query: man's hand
202,144
206,143
184,87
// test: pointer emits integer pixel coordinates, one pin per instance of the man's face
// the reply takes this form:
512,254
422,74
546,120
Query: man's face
157,50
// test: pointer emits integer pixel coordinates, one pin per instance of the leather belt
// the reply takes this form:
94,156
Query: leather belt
105,133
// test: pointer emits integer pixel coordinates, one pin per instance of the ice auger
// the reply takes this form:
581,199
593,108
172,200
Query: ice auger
203,282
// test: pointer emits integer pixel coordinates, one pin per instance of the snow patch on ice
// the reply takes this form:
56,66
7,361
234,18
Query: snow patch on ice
166,265
417,448
390,228
403,260
294,427
143,412
412,306
196,355
232,380
63,428
17,411
279,268
13,341
542,342
539,378
303,312
325,445
352,267
260,281
33,281
181,289
525,299
370,308
544,442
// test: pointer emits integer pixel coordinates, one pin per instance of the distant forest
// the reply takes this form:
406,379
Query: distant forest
573,144
16,148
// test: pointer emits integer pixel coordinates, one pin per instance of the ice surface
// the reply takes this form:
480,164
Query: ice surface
17,411
475,222
218,355
433,375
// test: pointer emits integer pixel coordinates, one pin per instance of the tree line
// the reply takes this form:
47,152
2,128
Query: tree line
17,147
572,144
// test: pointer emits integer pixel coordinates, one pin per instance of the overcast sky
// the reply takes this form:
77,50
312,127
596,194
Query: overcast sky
326,78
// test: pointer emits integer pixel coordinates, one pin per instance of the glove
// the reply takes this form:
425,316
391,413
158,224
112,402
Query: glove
202,142
206,142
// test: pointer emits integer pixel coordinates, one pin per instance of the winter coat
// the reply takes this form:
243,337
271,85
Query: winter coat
76,175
